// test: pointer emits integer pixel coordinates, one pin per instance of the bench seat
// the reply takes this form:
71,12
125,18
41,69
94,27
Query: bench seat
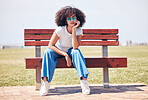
91,62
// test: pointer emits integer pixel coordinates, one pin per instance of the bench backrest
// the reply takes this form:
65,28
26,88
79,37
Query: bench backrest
91,37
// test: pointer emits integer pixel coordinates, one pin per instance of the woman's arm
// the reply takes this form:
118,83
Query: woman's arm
52,46
76,40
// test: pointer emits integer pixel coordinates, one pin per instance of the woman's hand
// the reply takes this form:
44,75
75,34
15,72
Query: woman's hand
77,24
68,60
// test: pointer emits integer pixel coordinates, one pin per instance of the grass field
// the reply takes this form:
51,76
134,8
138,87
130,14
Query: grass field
13,72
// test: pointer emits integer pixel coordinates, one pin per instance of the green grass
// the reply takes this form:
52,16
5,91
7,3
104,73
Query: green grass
13,72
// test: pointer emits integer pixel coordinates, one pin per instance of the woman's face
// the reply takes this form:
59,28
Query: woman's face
71,21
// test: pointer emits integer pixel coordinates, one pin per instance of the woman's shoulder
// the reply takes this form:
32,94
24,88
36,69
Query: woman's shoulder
79,31
60,28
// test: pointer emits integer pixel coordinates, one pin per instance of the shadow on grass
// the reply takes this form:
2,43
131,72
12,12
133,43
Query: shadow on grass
94,89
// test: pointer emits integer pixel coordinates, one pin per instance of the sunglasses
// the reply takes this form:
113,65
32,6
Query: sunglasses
69,19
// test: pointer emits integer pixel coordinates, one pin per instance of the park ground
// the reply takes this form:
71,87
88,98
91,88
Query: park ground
14,76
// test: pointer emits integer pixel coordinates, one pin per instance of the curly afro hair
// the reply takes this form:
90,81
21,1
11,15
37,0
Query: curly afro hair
62,14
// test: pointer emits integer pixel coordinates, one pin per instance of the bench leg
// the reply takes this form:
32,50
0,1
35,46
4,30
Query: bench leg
105,70
105,78
38,79
38,71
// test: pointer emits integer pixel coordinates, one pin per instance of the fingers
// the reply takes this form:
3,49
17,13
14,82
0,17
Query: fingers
78,23
68,64
68,60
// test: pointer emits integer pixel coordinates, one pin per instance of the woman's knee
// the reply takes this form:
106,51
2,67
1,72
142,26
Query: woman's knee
48,51
76,51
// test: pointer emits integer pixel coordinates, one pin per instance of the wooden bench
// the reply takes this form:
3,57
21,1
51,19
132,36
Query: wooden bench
91,37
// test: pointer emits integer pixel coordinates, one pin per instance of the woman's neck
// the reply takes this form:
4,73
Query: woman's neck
69,29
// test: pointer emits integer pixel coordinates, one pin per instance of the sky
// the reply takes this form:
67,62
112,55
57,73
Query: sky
129,16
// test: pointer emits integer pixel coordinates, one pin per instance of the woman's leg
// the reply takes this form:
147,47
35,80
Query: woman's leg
49,63
83,78
48,66
79,63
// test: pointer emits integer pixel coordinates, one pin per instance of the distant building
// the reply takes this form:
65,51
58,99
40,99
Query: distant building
130,43
10,47
1,46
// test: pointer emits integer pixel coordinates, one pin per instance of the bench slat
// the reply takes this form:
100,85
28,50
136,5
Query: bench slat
105,31
109,62
38,31
37,37
99,43
83,43
85,31
110,37
47,37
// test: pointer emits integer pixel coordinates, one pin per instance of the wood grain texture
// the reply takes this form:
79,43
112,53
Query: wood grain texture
85,31
38,31
83,43
105,31
89,37
37,37
95,62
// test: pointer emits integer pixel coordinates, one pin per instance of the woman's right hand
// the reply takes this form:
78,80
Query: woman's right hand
68,60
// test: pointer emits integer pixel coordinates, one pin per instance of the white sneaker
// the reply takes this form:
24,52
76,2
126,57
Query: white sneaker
44,88
85,87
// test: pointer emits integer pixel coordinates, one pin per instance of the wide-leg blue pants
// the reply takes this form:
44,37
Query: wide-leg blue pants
49,63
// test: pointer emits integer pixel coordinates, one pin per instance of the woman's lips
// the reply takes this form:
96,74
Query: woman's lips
72,23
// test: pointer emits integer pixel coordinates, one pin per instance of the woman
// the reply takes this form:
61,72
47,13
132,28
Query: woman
64,43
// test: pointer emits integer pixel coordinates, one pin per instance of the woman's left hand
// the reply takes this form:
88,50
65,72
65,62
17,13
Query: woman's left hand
77,24
68,60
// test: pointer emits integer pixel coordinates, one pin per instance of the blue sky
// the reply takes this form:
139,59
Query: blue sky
129,16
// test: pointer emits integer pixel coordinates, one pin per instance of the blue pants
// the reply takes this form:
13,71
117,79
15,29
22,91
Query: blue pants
49,63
